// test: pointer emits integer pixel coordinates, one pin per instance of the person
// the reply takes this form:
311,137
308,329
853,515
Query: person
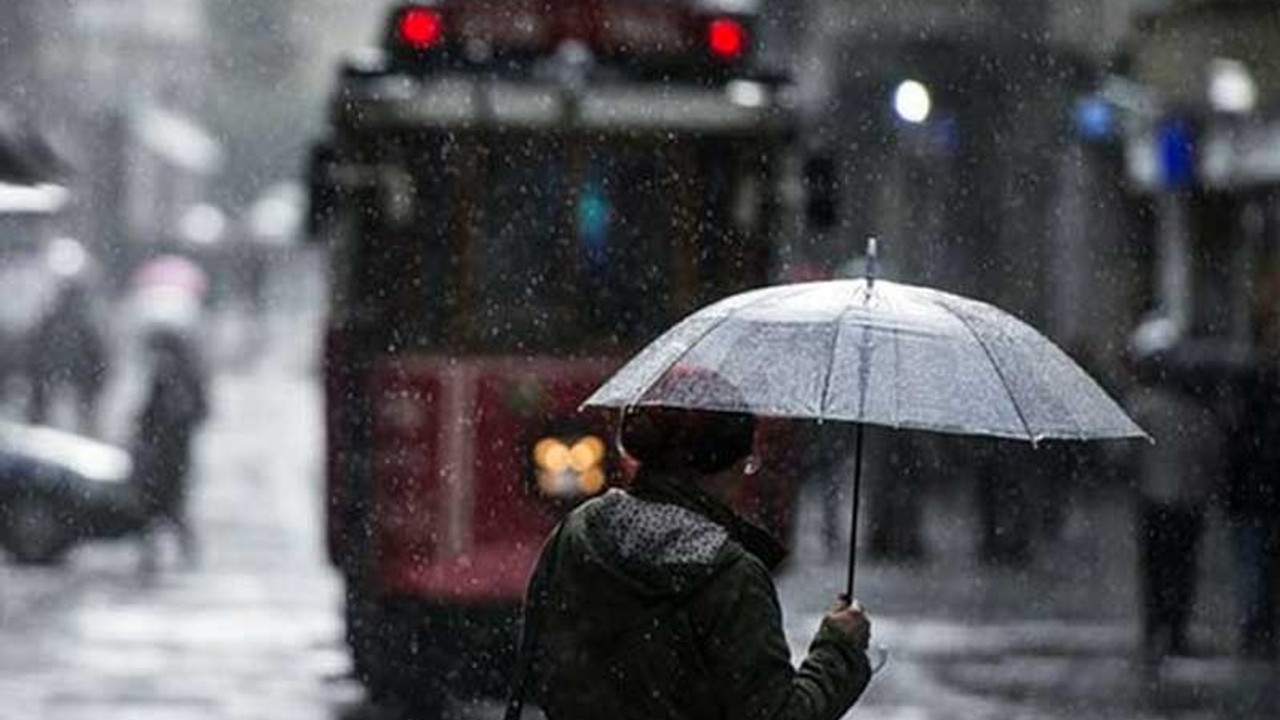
896,520
1253,510
657,601
1177,475
175,405
1253,488
820,463
68,349
1002,471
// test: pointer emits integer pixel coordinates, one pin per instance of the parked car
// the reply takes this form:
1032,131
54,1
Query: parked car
58,489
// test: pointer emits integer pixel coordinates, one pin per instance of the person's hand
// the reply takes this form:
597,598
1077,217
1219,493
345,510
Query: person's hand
849,621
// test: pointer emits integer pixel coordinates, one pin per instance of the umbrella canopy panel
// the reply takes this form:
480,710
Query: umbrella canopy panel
885,354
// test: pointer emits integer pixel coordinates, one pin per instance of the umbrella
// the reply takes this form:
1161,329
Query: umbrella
871,352
172,271
168,292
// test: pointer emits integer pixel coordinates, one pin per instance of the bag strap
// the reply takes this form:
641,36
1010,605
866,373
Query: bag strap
536,597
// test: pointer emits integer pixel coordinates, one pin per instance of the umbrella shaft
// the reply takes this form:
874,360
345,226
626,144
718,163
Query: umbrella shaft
853,528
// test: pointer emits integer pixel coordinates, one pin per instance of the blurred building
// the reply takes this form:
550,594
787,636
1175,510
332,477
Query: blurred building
118,86
966,136
956,130
1202,145
17,51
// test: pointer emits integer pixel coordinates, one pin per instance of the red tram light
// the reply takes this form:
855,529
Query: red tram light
727,38
421,28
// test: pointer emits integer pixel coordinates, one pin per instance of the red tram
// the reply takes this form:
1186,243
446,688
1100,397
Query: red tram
516,196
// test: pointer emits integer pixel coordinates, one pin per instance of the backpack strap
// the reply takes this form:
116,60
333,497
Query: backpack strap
537,596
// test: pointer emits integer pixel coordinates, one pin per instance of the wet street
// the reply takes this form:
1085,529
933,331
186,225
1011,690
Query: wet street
253,630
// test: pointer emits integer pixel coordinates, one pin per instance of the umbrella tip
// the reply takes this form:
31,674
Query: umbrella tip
870,270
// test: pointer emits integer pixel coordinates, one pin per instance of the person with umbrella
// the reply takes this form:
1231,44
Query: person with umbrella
858,351
657,601
870,352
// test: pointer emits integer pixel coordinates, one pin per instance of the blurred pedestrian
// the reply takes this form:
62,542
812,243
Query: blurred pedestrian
657,601
819,463
1002,471
903,463
68,352
175,405
1176,476
1253,508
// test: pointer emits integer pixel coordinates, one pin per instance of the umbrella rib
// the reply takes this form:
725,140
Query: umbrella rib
995,365
674,361
897,370
831,363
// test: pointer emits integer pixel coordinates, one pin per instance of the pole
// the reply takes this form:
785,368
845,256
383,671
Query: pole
853,529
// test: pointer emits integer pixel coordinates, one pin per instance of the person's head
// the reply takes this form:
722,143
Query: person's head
711,446
1150,346
687,442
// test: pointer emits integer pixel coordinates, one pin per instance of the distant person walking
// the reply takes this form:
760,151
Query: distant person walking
656,602
68,352
1176,477
1253,490
1002,472
175,405
1253,507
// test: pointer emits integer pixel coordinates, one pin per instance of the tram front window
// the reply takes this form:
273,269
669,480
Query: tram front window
583,251
543,246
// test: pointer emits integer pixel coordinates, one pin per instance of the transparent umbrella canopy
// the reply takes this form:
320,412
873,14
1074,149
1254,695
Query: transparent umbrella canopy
871,352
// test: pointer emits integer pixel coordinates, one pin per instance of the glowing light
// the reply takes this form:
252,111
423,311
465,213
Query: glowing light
565,471
586,454
727,38
1231,87
67,257
591,482
551,455
912,102
202,224
746,94
1095,118
421,28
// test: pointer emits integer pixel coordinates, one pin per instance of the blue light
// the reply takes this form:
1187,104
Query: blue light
1176,152
1095,118
593,220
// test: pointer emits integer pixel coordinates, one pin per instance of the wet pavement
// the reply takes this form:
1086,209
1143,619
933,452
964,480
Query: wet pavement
1055,639
253,630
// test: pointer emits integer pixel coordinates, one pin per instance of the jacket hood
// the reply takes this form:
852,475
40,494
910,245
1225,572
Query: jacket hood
662,548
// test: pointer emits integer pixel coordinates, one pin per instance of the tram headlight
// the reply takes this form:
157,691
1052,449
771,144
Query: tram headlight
569,468
551,455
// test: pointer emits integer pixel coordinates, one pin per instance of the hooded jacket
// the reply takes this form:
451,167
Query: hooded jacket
660,606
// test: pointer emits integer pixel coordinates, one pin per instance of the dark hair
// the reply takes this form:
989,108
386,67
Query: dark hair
686,440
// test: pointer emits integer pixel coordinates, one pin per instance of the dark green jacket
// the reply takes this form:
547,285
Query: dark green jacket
657,610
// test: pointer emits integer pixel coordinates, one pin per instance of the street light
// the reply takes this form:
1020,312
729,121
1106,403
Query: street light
911,101
1231,87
